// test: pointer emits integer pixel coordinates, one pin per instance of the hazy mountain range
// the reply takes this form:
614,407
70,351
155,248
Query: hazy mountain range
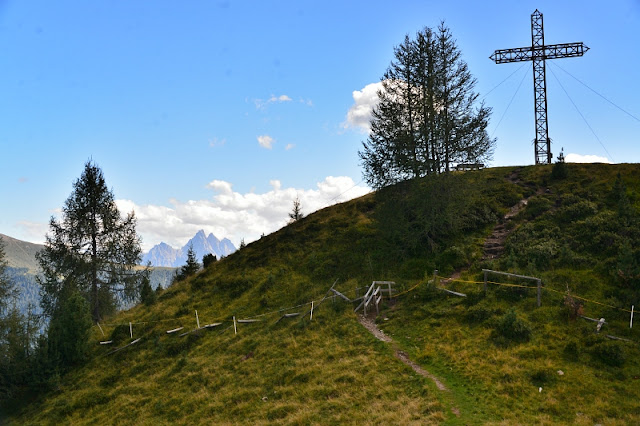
165,255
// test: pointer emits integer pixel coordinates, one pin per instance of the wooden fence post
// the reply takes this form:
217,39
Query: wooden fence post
484,288
311,316
539,293
197,319
235,328
130,329
631,322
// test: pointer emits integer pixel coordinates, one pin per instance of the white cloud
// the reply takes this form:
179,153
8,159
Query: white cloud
261,103
281,98
579,158
289,146
217,142
33,232
233,215
265,141
359,115
307,102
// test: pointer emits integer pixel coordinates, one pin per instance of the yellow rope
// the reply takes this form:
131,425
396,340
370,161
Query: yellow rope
407,291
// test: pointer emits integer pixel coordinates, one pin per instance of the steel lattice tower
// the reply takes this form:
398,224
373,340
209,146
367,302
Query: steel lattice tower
537,54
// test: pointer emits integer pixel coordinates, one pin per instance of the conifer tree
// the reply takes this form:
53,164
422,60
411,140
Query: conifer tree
296,214
192,266
92,249
69,331
426,119
208,259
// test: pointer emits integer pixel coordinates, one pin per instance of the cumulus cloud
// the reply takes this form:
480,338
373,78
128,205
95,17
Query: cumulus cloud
289,146
579,158
265,141
359,115
235,215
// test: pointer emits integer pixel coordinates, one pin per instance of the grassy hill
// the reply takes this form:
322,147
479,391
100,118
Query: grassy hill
21,254
501,358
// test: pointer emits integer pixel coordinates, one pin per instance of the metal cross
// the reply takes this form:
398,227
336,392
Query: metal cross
538,53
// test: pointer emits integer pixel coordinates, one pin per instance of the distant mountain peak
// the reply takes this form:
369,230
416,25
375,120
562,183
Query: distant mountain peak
164,255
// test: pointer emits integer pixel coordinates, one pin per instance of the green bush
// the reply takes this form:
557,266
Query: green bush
609,353
576,211
572,350
513,328
480,313
537,206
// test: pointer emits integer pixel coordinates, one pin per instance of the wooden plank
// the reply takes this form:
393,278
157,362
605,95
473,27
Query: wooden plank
291,315
106,342
510,275
125,346
385,282
455,293
247,321
341,295
215,324
174,330
618,338
592,319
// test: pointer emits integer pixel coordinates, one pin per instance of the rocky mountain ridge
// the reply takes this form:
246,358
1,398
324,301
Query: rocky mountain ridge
164,255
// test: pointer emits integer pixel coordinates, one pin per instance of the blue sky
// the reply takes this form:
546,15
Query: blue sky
215,115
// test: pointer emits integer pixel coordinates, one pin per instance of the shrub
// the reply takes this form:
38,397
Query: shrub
537,206
513,328
609,353
544,377
572,350
479,313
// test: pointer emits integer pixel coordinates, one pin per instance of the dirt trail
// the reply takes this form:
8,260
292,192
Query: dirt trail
493,249
370,325
494,244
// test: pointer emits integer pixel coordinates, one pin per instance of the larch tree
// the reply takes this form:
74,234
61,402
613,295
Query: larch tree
92,250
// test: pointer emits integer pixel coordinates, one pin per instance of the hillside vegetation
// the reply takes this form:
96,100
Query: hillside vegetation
503,359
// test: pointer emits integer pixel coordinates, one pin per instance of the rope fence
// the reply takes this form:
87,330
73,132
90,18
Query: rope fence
232,321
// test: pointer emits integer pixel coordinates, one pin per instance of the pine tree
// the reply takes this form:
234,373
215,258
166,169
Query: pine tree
147,295
92,250
426,119
191,267
560,170
69,331
208,259
296,214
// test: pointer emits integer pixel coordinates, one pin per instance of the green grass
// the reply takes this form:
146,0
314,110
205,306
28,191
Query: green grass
331,370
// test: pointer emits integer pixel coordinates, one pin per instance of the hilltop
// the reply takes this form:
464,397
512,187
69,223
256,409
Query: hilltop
498,356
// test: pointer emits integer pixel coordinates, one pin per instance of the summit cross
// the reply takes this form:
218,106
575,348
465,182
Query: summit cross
537,53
